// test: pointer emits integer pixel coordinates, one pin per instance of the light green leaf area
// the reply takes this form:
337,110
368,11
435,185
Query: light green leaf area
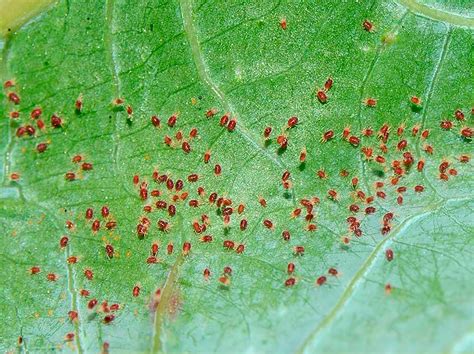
188,57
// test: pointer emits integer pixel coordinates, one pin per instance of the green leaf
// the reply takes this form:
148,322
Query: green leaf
188,57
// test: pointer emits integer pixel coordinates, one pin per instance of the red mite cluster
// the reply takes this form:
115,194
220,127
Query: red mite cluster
164,196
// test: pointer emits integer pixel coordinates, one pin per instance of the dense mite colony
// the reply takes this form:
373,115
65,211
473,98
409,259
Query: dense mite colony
190,200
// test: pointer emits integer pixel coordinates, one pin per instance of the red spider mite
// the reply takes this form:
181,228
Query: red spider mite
35,270
389,254
321,280
63,241
172,120
459,114
41,147
381,194
186,147
370,210
401,129
109,250
224,120
420,165
428,149
105,211
8,84
295,213
401,189
354,208
443,176
328,84
446,124
268,224
282,140
136,290
453,172
415,100
379,184
229,244
211,112
262,202
206,273
232,124
443,166
415,129
332,194
227,270
243,224
193,178
283,23
266,132
52,277
354,182
155,121
169,184
179,185
152,260
286,235
169,248
217,170
466,132
388,289
240,249
298,250
73,316
84,293
303,155
88,274
129,110
154,249
70,176
109,225
292,122
240,208
311,227
368,26
72,259
69,337
207,156
179,135
370,102
196,227
321,174
425,133
79,103
290,282
400,200
40,124
86,166
167,140
212,197
14,98
108,318
161,204
14,114
56,121
186,248
419,188
206,238
353,140
290,268
69,224
333,272
367,132
163,225
402,144
321,95
380,159
193,133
